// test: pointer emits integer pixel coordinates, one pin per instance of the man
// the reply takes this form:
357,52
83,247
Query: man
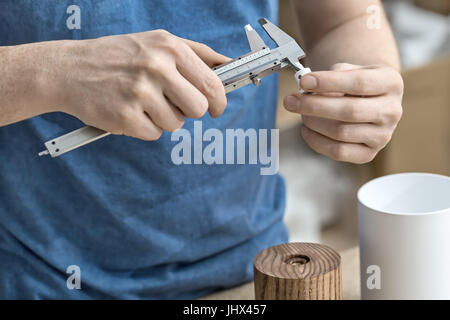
118,214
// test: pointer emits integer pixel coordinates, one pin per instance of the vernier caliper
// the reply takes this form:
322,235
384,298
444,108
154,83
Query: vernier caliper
260,62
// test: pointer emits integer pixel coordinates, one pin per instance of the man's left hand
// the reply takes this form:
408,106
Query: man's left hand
352,111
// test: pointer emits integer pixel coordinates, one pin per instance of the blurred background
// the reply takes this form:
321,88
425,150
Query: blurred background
321,201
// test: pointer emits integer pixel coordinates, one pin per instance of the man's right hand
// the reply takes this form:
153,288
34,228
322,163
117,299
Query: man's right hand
135,84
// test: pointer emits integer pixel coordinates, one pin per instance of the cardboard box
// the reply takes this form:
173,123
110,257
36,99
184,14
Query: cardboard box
439,6
421,142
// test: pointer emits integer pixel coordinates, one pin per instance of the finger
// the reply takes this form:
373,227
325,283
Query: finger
139,125
369,134
208,55
163,113
184,95
342,66
331,94
336,150
204,79
339,67
368,81
348,109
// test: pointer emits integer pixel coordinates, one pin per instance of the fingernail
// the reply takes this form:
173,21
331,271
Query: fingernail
291,103
308,82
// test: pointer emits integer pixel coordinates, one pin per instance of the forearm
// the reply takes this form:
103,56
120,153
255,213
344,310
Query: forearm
345,36
25,88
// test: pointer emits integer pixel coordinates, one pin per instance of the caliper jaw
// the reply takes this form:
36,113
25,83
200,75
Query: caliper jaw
288,47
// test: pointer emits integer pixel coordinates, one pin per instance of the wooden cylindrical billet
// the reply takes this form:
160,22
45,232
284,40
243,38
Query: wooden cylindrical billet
298,271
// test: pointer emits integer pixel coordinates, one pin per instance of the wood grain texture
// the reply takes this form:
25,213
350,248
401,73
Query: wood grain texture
298,271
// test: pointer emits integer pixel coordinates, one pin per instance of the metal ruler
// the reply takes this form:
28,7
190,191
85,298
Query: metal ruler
260,62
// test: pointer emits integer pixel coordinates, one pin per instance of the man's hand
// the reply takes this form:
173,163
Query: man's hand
136,84
352,112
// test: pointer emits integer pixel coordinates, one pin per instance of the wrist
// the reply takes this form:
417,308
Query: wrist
26,70
48,74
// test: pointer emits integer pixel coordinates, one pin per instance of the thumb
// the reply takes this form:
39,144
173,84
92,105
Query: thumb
208,55
345,67
341,66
